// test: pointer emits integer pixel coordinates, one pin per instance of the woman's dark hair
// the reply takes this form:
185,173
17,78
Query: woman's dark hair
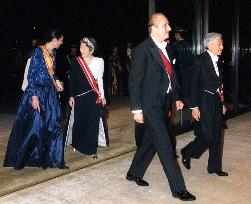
93,47
52,33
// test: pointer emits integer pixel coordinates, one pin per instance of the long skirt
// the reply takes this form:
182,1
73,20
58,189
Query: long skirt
85,129
36,139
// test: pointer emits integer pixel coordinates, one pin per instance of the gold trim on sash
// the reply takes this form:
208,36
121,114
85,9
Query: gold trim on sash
49,64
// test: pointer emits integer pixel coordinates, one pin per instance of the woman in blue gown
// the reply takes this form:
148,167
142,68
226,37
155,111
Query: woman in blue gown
36,139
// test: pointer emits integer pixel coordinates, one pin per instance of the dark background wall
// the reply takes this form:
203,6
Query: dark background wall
113,22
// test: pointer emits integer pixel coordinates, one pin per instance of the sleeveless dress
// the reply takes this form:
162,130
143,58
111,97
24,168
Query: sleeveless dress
36,139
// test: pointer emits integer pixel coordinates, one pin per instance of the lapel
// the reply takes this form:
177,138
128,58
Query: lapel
220,65
156,55
155,52
210,65
170,55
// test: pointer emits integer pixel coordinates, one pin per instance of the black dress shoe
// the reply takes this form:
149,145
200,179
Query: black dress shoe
219,173
138,181
184,195
186,160
64,167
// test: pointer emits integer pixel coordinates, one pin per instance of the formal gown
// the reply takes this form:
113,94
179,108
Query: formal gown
116,70
36,138
86,128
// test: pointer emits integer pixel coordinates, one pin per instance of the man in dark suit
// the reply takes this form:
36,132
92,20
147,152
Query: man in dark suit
139,127
207,106
183,54
152,88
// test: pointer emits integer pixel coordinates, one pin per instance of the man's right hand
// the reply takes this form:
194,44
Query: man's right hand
138,117
196,113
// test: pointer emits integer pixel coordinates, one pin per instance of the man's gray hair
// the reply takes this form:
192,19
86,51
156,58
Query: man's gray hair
209,38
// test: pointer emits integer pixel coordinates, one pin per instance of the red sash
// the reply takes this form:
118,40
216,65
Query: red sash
169,72
167,64
89,77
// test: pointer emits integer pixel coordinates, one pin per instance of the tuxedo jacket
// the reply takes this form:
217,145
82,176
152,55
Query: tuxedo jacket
204,78
148,78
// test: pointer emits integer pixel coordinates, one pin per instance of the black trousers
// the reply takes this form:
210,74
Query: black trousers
139,134
209,135
157,139
169,127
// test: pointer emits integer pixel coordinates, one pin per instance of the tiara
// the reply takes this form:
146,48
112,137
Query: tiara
88,42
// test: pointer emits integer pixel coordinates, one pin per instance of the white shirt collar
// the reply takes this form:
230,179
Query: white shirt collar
161,45
213,56
215,60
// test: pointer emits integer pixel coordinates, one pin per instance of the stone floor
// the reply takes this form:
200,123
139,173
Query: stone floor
121,141
105,183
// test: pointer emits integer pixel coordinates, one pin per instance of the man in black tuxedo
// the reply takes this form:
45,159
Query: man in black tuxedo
152,88
183,54
139,127
207,106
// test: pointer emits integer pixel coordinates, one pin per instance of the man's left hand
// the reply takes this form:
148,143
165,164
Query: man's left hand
179,105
